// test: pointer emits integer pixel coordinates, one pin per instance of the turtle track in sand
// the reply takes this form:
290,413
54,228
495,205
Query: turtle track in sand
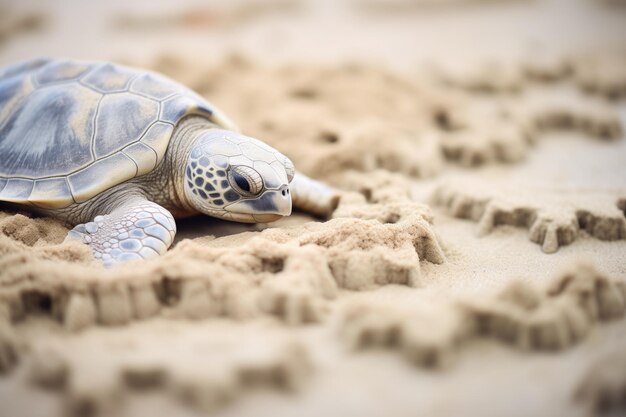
278,362
524,317
479,132
600,73
287,273
554,219
212,297
423,124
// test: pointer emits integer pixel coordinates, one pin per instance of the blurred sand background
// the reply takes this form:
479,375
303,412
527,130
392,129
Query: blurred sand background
476,264
395,33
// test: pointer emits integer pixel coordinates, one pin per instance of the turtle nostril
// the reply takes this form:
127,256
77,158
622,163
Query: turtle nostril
284,193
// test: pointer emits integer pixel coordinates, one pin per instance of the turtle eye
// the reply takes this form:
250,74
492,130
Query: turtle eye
245,180
241,182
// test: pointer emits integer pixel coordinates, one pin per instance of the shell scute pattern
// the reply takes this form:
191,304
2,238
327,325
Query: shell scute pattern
58,71
179,106
144,156
118,168
108,78
157,138
39,140
45,189
71,121
22,67
12,90
114,132
154,86
17,189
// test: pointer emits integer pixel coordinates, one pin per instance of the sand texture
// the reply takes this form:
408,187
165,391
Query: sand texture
475,264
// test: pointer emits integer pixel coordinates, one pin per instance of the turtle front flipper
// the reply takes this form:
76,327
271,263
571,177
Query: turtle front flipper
312,196
138,229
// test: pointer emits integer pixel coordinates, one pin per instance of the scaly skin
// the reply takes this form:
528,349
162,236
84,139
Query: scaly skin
135,219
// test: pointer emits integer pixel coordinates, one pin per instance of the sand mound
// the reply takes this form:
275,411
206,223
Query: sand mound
554,217
218,317
600,73
101,388
521,316
602,390
285,272
479,131
316,115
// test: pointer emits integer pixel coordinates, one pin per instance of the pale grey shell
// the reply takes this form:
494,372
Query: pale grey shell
72,129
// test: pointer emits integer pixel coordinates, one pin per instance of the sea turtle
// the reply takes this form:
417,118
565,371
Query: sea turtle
120,152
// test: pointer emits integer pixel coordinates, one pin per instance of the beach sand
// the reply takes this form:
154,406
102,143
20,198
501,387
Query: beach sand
475,264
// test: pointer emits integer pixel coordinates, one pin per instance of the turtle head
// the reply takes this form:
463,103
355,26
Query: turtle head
238,178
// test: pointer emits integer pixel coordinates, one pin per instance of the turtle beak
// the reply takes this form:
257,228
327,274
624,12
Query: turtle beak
271,204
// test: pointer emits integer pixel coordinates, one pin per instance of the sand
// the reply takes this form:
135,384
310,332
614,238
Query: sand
475,263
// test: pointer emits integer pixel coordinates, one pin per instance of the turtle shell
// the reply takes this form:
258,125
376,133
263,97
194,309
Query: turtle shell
72,129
